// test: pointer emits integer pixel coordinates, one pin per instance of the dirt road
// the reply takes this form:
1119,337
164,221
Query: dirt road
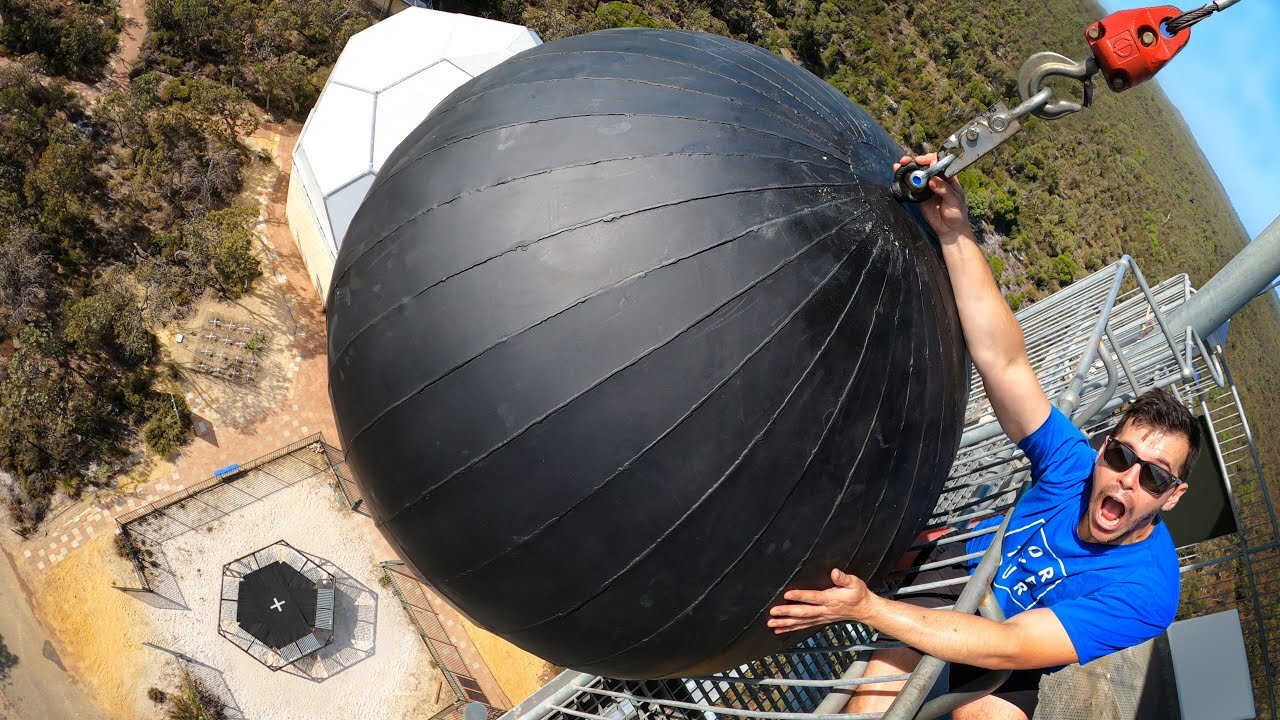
135,31
37,686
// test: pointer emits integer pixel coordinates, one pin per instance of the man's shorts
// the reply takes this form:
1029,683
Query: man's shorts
946,596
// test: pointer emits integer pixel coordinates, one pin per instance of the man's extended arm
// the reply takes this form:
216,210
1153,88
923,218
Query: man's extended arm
1033,639
992,334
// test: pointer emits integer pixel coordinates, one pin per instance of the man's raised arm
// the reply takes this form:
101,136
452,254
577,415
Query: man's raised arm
995,341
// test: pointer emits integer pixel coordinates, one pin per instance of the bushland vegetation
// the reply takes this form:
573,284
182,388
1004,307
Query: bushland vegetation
114,214
73,39
278,53
113,221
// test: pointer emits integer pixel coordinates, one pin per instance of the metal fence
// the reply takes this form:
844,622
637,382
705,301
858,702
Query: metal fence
216,480
343,482
1095,345
210,499
463,686
1240,570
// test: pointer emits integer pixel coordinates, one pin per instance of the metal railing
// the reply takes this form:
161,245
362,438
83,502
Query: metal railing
1242,569
343,482
444,654
204,485
219,495
1094,346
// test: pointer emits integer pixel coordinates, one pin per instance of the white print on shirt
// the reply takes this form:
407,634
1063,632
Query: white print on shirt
1031,569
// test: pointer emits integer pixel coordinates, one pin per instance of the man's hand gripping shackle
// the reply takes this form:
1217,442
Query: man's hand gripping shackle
1129,47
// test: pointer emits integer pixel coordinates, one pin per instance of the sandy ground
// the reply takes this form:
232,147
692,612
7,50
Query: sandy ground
518,672
135,31
258,318
99,629
376,668
35,686
122,643
252,334
99,633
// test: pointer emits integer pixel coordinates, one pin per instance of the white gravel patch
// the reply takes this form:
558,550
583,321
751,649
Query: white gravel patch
377,666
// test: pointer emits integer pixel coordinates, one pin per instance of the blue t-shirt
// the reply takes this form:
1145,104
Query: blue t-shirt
1108,597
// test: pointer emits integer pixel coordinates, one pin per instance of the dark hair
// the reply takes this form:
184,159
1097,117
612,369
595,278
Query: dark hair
1158,410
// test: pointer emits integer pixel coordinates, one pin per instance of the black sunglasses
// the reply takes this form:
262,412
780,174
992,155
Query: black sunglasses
1153,478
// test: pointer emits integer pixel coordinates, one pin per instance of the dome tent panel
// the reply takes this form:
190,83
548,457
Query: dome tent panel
376,93
402,106
339,137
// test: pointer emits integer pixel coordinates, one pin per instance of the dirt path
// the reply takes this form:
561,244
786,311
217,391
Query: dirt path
38,687
135,31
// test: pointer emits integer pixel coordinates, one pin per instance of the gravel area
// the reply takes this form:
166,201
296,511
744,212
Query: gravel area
377,666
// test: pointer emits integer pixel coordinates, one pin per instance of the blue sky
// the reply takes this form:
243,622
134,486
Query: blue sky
1226,84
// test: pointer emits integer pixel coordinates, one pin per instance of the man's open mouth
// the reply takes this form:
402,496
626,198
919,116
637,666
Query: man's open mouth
1110,512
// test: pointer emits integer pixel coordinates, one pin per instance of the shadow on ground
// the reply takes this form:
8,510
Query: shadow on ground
355,622
202,509
210,351
7,660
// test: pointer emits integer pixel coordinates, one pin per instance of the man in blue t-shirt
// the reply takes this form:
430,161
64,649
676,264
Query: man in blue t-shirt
1088,568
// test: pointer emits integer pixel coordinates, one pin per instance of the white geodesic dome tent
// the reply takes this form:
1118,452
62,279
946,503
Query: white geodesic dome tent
387,80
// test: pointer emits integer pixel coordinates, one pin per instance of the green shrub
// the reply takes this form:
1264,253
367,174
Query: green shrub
235,263
975,191
168,429
1004,208
88,322
126,548
109,318
194,701
997,266
75,43
225,237
1064,268
979,204
622,14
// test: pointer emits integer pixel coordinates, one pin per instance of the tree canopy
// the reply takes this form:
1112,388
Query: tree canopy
115,217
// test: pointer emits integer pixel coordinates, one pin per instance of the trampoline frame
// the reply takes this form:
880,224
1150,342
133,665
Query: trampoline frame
279,551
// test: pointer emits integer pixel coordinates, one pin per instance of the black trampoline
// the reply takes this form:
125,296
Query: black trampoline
277,604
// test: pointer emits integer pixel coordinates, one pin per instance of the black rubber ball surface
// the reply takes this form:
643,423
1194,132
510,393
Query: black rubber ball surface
628,338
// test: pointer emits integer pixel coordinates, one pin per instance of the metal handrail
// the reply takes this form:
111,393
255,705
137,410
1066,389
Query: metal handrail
454,685
975,689
1070,398
913,694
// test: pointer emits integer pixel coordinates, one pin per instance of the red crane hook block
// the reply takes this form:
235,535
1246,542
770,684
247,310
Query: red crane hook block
1131,45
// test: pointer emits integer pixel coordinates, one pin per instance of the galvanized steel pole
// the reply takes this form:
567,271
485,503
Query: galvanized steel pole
1238,282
